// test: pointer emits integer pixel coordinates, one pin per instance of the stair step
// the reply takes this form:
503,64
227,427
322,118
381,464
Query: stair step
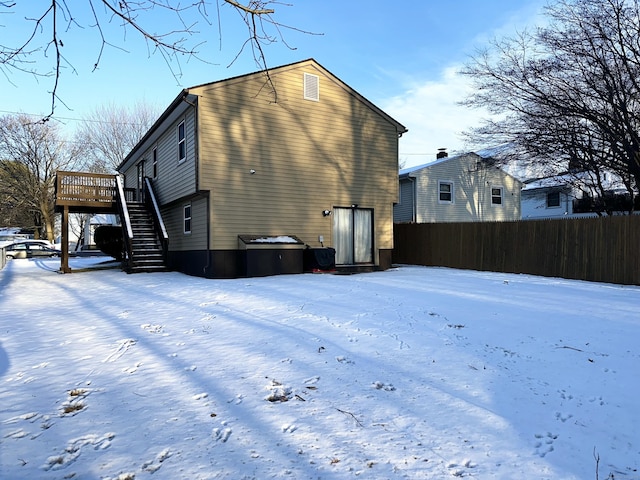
157,257
147,254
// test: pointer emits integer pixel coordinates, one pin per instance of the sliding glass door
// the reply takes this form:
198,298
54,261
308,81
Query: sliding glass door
353,235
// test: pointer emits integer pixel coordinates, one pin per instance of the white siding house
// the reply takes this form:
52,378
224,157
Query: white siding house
568,195
463,188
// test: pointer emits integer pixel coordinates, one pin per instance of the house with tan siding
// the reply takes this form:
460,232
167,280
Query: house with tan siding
252,171
462,188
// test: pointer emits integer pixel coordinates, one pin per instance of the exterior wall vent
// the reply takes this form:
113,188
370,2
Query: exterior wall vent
311,87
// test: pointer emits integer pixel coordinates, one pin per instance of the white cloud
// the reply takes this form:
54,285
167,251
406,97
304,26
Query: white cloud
429,107
431,112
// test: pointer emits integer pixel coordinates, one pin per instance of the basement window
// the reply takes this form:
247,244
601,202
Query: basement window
311,87
187,219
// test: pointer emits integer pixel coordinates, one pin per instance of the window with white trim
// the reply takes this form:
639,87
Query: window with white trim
445,192
182,143
553,199
311,87
154,162
187,219
497,194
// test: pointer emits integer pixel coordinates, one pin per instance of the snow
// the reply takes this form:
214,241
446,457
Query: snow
411,373
278,239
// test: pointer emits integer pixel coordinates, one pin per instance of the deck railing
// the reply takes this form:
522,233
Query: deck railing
154,208
90,190
127,236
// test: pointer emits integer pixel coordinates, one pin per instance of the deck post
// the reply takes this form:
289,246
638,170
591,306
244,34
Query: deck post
64,261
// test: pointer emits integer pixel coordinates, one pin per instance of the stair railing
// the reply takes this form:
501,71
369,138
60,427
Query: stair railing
152,203
125,219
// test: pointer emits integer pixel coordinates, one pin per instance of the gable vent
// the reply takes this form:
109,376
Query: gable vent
311,87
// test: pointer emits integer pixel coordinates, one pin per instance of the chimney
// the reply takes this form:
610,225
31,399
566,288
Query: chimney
442,153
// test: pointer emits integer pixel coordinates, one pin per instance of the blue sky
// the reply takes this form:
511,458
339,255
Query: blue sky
403,56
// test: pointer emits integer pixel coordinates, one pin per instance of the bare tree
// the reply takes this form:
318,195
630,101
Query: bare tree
14,210
109,133
32,154
567,93
48,23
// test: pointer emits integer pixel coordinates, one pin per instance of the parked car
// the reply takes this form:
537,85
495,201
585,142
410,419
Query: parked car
31,249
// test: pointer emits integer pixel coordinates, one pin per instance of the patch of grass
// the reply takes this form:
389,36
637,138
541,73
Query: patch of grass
72,408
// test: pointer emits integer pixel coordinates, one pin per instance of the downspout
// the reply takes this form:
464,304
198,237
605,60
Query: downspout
414,208
196,148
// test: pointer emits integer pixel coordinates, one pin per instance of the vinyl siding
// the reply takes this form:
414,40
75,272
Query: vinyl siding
534,205
472,183
403,210
308,156
173,218
175,180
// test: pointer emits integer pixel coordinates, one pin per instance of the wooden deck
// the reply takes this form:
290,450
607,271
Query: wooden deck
82,192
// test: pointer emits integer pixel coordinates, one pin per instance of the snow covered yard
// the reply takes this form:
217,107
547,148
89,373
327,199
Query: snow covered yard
411,373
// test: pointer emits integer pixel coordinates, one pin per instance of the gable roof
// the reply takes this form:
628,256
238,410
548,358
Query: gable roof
183,96
581,179
399,127
407,172
440,161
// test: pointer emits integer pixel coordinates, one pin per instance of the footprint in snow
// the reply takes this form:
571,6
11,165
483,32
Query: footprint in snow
74,447
458,470
154,465
311,380
289,428
221,434
20,433
544,443
344,360
563,417
132,369
152,328
387,387
123,346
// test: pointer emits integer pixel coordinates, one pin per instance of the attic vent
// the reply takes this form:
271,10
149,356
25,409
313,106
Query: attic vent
311,87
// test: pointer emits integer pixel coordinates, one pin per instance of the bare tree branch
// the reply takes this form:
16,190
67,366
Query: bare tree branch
567,93
182,40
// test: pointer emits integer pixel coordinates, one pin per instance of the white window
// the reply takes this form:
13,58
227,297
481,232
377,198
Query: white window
445,192
496,196
187,219
182,144
553,199
154,161
311,87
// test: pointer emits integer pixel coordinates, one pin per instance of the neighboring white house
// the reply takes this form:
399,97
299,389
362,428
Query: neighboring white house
95,221
569,195
463,188
82,227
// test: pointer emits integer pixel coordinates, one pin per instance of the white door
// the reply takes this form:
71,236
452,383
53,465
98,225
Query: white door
353,235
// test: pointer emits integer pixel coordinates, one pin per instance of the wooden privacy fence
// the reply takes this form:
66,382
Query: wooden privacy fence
603,249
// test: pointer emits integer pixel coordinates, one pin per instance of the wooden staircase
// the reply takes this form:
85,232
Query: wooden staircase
144,235
146,249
